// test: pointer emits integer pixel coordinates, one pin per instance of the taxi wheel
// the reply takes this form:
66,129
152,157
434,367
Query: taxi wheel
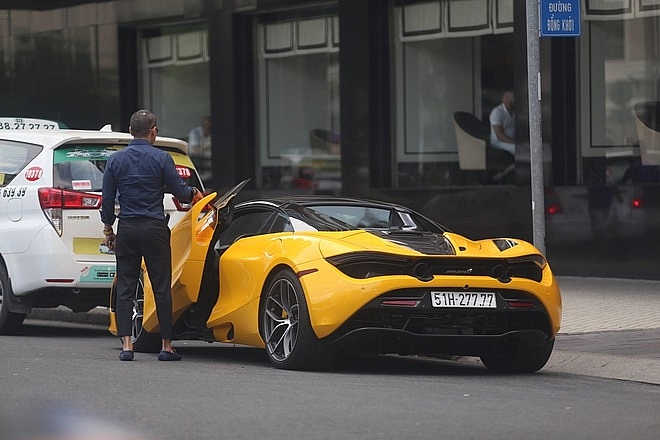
10,322
143,341
528,358
285,325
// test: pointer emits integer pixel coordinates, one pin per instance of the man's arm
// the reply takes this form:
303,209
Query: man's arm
501,135
108,195
177,185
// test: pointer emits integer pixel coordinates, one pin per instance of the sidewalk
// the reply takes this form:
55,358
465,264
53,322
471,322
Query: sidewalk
610,328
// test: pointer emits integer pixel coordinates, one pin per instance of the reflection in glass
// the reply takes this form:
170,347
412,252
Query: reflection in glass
299,107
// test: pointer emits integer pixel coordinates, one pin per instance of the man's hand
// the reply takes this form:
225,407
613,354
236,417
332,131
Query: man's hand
109,241
499,132
197,196
109,237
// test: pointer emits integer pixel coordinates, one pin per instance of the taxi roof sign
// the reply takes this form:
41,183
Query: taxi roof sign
10,124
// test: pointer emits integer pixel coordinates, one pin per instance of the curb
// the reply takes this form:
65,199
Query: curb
606,366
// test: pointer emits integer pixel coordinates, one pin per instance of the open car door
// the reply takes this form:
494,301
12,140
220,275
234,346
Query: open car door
190,239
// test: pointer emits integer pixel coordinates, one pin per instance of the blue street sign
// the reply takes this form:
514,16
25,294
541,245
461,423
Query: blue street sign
559,18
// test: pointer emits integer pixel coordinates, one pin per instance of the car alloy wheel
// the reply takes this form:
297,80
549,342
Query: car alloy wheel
285,326
143,341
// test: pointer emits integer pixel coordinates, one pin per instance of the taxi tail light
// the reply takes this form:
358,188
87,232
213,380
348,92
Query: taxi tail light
181,206
54,200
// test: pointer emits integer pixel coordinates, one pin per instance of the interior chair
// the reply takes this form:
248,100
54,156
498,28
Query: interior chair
647,122
474,152
472,141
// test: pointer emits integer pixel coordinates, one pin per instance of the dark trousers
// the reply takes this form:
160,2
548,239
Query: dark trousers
146,238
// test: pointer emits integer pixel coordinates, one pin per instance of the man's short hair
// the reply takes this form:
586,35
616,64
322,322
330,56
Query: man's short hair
141,122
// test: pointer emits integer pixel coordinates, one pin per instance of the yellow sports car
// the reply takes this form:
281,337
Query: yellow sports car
308,277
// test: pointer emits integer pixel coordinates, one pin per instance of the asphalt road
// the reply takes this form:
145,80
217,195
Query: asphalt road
65,380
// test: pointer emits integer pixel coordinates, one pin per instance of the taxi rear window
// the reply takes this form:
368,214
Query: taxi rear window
80,167
14,156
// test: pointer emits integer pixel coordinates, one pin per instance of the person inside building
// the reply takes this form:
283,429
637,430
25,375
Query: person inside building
199,148
502,124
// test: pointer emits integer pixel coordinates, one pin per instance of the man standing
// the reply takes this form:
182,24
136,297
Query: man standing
139,174
502,124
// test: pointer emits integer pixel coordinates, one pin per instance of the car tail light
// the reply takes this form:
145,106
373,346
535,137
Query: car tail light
54,200
520,304
552,205
363,265
554,209
181,206
400,302
302,273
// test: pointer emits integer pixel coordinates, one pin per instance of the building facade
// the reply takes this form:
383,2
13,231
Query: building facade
386,99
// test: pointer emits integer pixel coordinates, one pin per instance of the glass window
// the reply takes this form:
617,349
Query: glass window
244,224
357,216
14,156
81,166
60,63
176,88
449,58
299,132
620,125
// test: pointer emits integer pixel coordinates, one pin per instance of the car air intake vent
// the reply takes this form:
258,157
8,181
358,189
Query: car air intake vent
501,270
425,242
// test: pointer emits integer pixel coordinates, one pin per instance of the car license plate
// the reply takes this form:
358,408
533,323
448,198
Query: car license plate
464,299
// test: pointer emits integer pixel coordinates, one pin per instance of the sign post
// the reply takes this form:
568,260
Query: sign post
545,18
535,144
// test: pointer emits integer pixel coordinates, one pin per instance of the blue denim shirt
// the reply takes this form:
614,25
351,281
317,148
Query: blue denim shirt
140,174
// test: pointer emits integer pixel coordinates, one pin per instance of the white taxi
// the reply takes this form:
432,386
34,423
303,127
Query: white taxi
51,235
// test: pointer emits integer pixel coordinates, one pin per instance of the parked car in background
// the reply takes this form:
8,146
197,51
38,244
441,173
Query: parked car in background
51,250
307,277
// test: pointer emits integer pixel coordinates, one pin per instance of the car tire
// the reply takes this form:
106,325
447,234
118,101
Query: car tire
527,358
10,321
291,343
143,341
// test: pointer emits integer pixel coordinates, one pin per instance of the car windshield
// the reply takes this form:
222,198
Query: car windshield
14,156
81,166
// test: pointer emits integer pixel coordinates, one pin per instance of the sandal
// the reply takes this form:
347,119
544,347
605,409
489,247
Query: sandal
165,355
126,355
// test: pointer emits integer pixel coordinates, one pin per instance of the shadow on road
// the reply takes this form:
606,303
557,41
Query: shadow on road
240,355
57,329
385,364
